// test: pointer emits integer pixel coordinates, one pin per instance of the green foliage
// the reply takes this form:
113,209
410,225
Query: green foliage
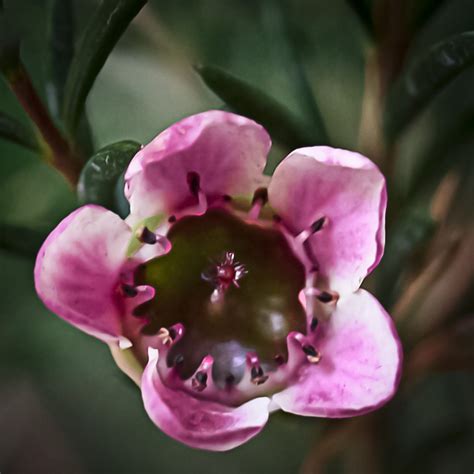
99,177
424,78
246,99
102,33
61,50
14,131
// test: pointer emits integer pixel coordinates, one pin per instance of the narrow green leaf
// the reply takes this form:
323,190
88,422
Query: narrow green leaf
284,36
61,50
409,233
245,99
14,131
99,177
424,78
21,240
100,36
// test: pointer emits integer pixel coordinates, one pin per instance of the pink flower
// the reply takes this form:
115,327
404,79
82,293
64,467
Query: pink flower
226,295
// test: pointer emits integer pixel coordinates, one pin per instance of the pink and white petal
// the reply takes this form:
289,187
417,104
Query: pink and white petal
200,423
77,271
227,151
360,366
350,191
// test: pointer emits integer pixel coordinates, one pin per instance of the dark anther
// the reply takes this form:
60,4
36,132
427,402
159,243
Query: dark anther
314,324
145,235
172,333
194,182
325,297
310,350
314,269
171,219
178,360
318,225
227,198
312,354
277,218
257,376
129,291
261,194
279,359
199,382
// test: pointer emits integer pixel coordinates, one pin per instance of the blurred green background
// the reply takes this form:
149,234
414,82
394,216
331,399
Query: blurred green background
64,406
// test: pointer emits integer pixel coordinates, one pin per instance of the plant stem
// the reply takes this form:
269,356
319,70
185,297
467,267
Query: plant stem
62,157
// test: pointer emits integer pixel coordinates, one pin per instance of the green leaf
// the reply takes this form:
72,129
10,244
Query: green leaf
14,131
99,177
21,240
424,78
409,233
284,35
61,50
245,99
100,36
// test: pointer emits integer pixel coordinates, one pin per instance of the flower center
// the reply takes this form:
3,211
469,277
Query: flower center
233,285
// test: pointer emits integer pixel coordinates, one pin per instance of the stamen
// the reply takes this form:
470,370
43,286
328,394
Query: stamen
260,198
314,324
145,235
172,219
328,296
257,375
199,381
227,198
322,295
166,336
316,226
128,291
312,354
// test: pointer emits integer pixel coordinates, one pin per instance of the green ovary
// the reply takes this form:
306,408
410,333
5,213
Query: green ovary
254,317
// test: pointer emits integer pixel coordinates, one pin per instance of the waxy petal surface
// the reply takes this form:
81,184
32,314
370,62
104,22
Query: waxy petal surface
360,365
200,423
350,191
77,271
227,151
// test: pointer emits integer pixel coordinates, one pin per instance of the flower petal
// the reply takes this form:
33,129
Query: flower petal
77,271
200,423
350,191
227,151
360,366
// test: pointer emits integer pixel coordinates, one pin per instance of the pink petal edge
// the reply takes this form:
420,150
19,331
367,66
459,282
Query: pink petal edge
77,270
226,150
361,363
350,191
199,423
